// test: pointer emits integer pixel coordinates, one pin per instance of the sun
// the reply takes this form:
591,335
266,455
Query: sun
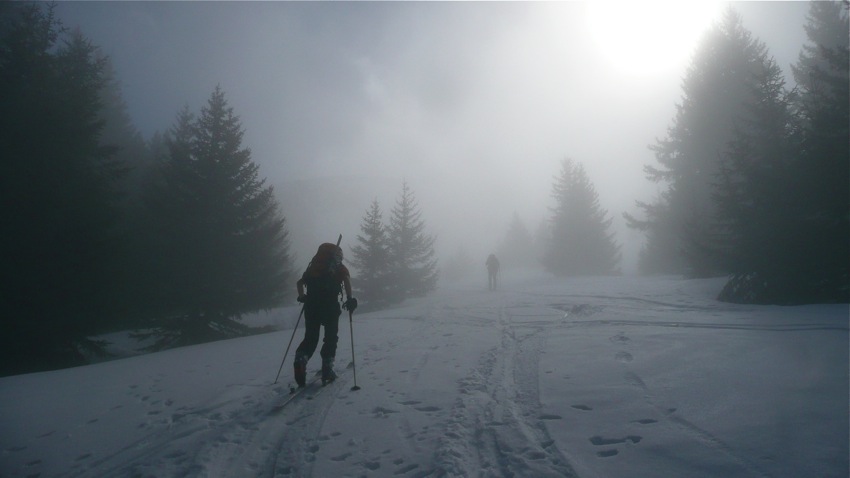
645,38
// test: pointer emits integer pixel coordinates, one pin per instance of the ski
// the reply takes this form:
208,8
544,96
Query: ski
296,392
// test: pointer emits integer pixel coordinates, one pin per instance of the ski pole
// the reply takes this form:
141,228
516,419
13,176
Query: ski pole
290,344
353,364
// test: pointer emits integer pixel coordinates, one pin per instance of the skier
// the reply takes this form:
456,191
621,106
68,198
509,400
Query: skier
492,271
324,278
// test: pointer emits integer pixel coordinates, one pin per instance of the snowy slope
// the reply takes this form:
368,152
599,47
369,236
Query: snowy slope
607,377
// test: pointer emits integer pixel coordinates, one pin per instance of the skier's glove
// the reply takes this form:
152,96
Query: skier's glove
302,298
350,304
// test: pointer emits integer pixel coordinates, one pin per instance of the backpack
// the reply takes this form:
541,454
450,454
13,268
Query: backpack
322,276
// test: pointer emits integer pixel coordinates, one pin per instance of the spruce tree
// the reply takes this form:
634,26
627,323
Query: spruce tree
823,171
411,256
226,246
133,153
659,253
58,191
370,257
716,87
757,195
580,243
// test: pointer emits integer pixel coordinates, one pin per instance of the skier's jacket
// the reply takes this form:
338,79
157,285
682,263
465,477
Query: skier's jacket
325,273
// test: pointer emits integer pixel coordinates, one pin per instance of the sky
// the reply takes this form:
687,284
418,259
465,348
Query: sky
473,104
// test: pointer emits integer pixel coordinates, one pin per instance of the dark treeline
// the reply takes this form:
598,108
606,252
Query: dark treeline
757,172
177,237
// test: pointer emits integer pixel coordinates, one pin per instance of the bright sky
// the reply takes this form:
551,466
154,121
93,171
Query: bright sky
474,104
648,38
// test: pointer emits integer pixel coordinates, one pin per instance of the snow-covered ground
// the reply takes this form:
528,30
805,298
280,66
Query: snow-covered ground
604,377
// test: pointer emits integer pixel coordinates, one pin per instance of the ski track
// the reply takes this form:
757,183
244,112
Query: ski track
496,427
277,443
164,448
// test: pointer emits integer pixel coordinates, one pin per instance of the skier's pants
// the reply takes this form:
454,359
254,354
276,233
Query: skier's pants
315,316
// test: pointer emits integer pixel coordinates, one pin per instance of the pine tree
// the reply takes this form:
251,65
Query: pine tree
413,267
757,195
226,252
57,188
133,153
580,243
370,257
717,85
823,171
659,253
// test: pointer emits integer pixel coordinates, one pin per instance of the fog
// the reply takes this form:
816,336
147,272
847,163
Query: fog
473,104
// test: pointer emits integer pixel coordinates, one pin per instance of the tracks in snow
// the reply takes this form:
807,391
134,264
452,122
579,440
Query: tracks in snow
497,426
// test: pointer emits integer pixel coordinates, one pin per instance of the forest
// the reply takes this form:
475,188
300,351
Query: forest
178,236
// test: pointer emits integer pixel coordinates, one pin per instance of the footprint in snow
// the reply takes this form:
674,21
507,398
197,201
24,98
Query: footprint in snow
381,412
620,337
583,407
624,357
601,441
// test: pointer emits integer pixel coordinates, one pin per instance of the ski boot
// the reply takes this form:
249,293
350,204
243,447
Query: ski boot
328,374
301,370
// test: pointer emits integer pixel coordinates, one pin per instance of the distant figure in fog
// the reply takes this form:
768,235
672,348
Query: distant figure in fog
492,271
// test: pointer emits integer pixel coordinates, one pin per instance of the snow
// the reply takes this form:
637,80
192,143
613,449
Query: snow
589,377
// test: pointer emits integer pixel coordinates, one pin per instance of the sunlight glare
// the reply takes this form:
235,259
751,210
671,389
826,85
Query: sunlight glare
648,37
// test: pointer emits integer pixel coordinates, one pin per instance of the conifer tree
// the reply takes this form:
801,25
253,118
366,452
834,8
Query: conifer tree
226,247
370,257
756,196
822,74
659,252
580,243
137,159
58,191
716,87
413,267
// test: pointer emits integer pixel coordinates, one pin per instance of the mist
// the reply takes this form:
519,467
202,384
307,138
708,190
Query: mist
661,182
474,105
